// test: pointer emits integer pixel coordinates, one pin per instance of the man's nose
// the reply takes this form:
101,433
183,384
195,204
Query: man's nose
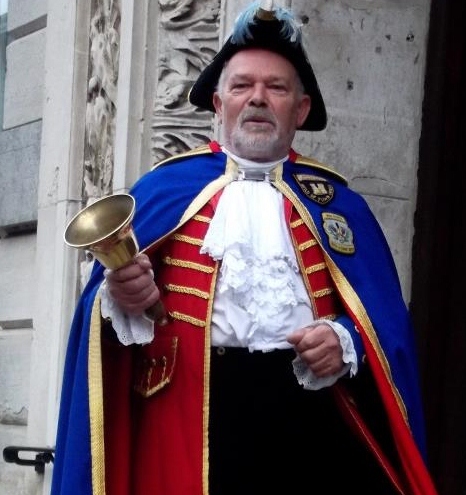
258,96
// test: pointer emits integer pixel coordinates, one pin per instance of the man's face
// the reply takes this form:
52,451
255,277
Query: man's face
260,103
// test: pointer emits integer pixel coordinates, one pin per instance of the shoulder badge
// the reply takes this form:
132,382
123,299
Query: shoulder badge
340,236
315,188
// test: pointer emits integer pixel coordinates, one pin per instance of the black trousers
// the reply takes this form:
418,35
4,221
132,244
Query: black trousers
270,436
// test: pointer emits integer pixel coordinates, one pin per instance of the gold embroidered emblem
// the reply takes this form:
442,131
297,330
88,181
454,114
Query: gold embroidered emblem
340,236
315,188
155,365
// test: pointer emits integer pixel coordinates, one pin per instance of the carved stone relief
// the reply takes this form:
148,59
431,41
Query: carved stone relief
187,39
188,34
104,54
104,46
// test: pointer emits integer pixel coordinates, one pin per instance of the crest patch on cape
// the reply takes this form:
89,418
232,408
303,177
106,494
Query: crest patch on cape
315,188
340,236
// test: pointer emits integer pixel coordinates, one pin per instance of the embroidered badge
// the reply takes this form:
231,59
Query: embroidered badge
315,188
340,236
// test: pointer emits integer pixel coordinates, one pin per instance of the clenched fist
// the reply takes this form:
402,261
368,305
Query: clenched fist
133,286
319,347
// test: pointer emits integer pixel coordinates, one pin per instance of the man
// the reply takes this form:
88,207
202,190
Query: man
285,358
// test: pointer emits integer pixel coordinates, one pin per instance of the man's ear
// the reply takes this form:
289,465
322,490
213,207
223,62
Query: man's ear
303,110
217,101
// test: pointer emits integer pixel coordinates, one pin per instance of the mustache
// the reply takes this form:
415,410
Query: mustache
257,114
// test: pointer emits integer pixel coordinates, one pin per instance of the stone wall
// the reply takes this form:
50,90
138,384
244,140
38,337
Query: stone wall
20,140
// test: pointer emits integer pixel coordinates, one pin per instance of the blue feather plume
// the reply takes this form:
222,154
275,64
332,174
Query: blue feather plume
290,30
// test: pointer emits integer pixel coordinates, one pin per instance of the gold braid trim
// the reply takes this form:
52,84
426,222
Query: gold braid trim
202,218
188,239
200,150
206,410
307,244
304,160
296,223
187,264
187,290
323,292
176,315
315,268
96,402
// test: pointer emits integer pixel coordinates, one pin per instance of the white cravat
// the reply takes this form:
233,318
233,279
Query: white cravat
260,296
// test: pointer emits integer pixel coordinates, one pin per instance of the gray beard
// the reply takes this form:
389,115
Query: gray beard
257,146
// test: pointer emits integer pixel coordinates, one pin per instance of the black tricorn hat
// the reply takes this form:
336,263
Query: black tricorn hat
276,30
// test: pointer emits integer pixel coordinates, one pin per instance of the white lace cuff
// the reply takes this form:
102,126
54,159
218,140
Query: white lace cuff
129,329
307,378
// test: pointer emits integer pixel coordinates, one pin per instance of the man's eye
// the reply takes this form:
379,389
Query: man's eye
277,87
239,86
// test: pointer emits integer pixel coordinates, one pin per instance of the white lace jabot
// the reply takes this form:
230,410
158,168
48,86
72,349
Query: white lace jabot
260,296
